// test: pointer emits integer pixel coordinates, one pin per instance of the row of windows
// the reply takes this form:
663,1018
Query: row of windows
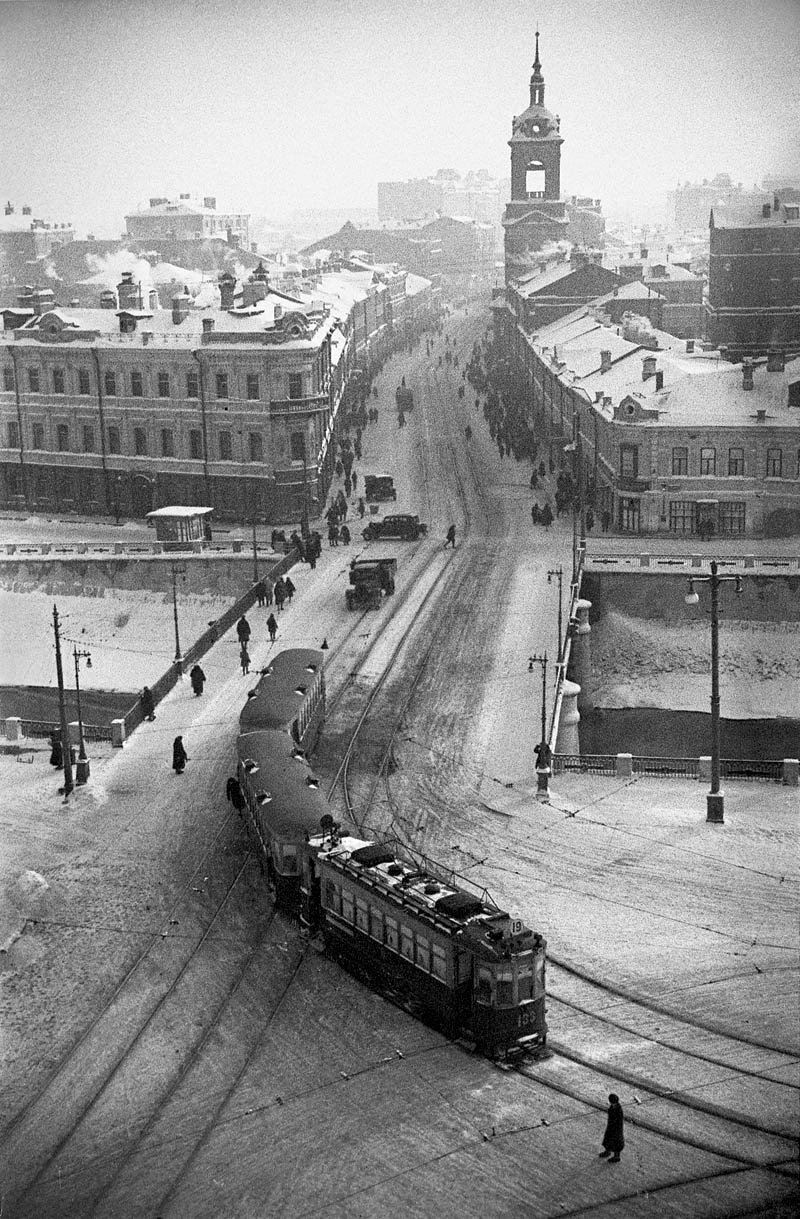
142,446
735,464
113,383
399,937
684,517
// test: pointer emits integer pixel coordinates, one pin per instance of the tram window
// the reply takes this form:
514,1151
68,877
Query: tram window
376,924
525,983
439,963
483,990
331,896
347,905
407,942
362,921
505,987
391,933
423,953
538,978
290,859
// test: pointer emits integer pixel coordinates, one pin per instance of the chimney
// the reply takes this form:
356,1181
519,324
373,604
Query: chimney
208,325
648,367
41,298
765,210
180,307
643,252
659,380
747,374
129,293
605,361
108,299
9,208
26,211
210,201
690,345
227,288
776,361
761,415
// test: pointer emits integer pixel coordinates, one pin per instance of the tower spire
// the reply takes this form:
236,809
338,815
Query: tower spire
537,79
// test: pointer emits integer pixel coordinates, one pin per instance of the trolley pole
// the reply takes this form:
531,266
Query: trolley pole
82,769
66,790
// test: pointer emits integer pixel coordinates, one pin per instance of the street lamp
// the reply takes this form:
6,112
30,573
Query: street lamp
542,750
82,767
558,572
715,800
176,571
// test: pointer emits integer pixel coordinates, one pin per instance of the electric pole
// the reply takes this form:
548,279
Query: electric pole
62,712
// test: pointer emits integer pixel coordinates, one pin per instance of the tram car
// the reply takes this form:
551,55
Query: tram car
289,696
283,806
467,965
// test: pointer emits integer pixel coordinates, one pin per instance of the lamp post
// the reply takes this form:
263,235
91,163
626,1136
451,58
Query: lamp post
62,714
715,800
255,552
542,750
176,571
82,767
558,572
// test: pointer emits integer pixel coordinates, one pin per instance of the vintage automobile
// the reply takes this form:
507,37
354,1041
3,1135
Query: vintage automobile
371,580
379,486
401,525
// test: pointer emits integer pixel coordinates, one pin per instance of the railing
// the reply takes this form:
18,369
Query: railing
687,767
43,728
623,765
650,559
589,763
769,769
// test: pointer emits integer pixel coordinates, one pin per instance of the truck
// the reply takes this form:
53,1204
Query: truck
401,525
370,580
379,486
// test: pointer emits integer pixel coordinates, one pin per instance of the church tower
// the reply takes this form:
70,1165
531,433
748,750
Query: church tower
535,214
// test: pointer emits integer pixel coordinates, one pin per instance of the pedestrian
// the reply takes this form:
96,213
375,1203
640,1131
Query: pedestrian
148,707
244,658
280,593
57,750
613,1139
535,514
290,589
361,507
354,479
348,486
243,629
401,420
261,593
333,534
179,756
344,535
234,794
451,537
267,592
546,517
272,627
198,679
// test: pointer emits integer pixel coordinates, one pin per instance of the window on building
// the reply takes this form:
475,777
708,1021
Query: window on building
535,180
682,516
163,385
297,442
629,460
295,385
629,515
33,380
192,385
736,461
732,517
62,437
84,384
774,463
225,446
58,380
252,386
222,385
256,446
37,437
88,438
12,434
137,384
680,460
708,461
167,442
8,377
113,440
196,444
110,381
140,442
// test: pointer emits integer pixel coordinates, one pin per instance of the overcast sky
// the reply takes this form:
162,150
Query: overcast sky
275,105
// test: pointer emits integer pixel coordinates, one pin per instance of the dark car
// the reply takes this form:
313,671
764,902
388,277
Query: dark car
379,486
403,525
371,579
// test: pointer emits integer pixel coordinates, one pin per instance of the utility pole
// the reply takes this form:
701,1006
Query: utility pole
62,712
82,769
255,552
178,656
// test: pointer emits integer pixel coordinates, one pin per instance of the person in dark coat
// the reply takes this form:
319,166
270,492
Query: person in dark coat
261,593
56,750
613,1139
243,630
272,627
290,589
279,592
451,537
244,658
546,516
361,507
233,794
536,515
148,707
344,535
198,679
179,756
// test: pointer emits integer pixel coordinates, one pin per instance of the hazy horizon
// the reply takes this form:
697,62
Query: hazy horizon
280,107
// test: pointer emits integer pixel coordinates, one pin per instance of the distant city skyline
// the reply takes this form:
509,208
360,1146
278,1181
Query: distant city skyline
280,107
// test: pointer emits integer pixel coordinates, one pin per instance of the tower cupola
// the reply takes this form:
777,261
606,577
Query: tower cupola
537,80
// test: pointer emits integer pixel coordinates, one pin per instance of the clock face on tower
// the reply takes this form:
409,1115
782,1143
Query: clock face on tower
534,128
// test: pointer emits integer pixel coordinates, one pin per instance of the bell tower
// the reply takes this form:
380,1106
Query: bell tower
535,214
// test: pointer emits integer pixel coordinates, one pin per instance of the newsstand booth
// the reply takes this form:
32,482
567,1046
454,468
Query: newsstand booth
182,528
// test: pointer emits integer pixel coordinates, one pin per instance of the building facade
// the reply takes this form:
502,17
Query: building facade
185,219
121,410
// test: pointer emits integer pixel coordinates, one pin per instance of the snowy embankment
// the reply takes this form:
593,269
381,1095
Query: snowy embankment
638,662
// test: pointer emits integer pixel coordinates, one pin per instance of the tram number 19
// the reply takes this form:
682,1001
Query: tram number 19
516,926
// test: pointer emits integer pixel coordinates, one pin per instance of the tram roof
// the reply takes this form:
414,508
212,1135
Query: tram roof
290,799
